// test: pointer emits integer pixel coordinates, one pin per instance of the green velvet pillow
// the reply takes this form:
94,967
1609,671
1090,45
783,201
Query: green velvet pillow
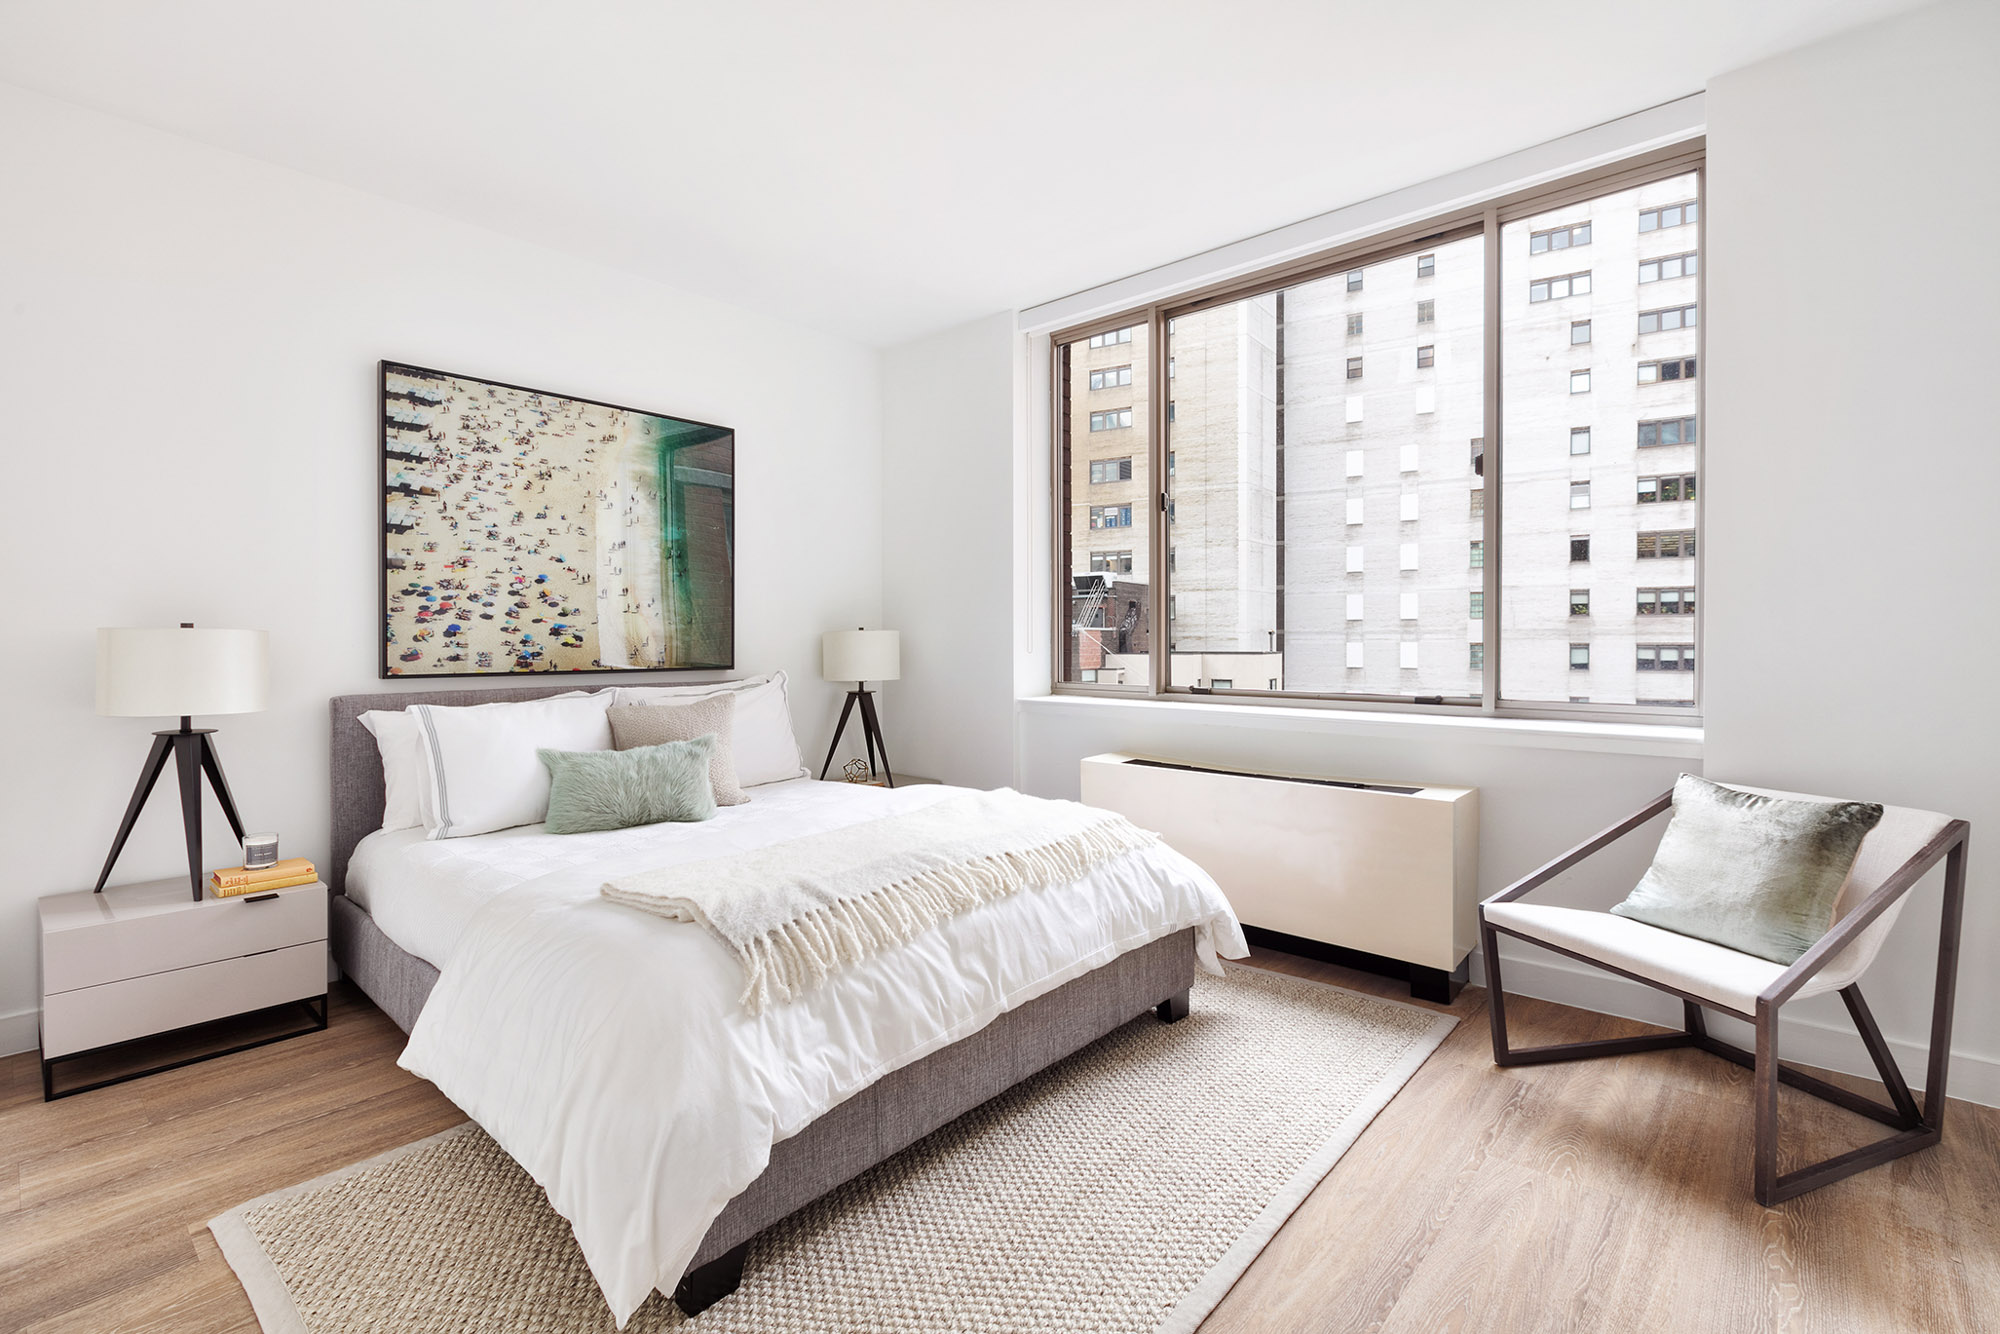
1758,874
591,790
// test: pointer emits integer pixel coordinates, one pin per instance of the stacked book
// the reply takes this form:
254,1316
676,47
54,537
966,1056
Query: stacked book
242,880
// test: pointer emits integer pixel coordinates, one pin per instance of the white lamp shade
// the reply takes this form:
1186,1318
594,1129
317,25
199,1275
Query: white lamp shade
861,655
170,673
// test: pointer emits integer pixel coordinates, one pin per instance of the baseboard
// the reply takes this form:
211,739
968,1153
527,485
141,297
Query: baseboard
1974,1078
20,1031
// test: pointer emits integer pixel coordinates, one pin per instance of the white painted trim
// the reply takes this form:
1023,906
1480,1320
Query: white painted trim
1684,743
1656,127
1974,1078
20,1031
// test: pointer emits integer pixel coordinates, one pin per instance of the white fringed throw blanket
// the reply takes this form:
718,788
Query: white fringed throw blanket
794,912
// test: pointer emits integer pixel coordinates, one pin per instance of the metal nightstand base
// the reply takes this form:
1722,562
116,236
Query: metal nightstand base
314,1006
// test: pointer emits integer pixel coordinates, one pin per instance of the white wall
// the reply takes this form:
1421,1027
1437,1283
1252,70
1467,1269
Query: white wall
1852,465
188,342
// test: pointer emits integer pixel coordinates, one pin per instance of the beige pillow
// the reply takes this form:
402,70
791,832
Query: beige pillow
635,725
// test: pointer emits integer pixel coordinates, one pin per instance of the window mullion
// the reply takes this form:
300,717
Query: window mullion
1159,672
1489,685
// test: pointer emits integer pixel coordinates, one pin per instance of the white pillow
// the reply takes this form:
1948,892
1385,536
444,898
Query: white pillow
404,775
766,750
481,769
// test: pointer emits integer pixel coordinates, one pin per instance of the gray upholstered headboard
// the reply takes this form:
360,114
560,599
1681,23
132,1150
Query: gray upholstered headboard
356,765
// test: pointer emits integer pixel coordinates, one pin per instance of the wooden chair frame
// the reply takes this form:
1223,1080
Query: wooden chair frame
1915,1129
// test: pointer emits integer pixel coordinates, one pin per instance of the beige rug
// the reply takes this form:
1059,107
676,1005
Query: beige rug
1124,1189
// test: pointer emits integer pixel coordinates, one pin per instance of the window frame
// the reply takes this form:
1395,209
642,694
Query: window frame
1406,242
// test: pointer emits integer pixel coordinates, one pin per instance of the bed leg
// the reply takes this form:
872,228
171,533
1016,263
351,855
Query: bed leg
702,1288
1173,1008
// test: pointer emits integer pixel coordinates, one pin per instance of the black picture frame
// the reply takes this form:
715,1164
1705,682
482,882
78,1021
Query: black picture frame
474,586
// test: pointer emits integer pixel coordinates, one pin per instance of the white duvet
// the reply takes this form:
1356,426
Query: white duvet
606,1050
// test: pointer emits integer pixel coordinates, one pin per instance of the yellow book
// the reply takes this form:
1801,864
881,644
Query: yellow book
236,891
284,870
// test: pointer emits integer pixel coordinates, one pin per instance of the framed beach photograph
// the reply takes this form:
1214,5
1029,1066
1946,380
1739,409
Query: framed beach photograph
529,532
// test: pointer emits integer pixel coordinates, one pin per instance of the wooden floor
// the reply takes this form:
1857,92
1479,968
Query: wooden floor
1606,1195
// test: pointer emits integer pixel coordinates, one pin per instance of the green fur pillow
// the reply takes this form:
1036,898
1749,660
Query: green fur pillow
592,790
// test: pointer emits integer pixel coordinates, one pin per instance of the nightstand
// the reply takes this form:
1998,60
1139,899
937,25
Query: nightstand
902,780
143,961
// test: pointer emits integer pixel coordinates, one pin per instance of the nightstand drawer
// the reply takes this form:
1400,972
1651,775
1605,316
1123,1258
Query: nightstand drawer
97,1016
123,942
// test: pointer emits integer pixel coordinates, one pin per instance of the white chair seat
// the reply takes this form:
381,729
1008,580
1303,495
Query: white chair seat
1728,978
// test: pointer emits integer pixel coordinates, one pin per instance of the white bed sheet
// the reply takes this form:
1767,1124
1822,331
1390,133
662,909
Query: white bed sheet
606,1048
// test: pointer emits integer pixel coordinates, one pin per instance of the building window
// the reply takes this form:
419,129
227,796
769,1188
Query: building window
1579,602
1579,332
1475,657
1110,470
1579,381
1479,458
1426,356
1354,325
1354,280
1555,289
1579,550
1559,238
1670,215
1674,486
1579,657
1579,495
1110,516
1354,368
1661,372
1478,554
1111,377
1111,562
1666,431
1664,545
1478,508
1666,657
1112,339
1666,602
1427,312
1222,683
1579,440
1477,610
1426,265
1112,420
1668,267
1667,317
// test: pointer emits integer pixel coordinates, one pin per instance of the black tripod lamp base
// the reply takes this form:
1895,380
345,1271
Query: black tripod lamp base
194,758
871,734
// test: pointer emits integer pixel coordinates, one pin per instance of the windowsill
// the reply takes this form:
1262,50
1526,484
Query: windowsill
1668,741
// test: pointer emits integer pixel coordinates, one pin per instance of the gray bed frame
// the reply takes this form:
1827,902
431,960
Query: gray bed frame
887,1116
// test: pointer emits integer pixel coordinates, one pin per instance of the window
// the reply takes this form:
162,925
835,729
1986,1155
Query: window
1579,332
1478,607
1665,545
1674,486
1579,440
1110,516
1354,280
1579,657
1667,431
1478,458
1478,554
1579,495
1354,325
1666,372
1111,562
1427,312
1579,381
1579,549
1671,215
1478,507
1111,470
1112,420
1221,683
1666,657
1354,368
1426,265
1115,337
1668,267
1666,602
1475,657
1555,289
1355,657
1668,317
1426,356
1559,238
1579,602
1111,378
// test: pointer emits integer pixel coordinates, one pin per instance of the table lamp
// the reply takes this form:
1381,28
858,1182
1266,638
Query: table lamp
166,673
861,656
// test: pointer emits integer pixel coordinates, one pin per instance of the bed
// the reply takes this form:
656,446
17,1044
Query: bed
434,903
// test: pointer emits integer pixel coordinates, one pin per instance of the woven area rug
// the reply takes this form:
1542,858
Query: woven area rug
1121,1191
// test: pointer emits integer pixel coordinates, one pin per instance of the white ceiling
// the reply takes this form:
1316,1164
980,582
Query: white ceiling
885,168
